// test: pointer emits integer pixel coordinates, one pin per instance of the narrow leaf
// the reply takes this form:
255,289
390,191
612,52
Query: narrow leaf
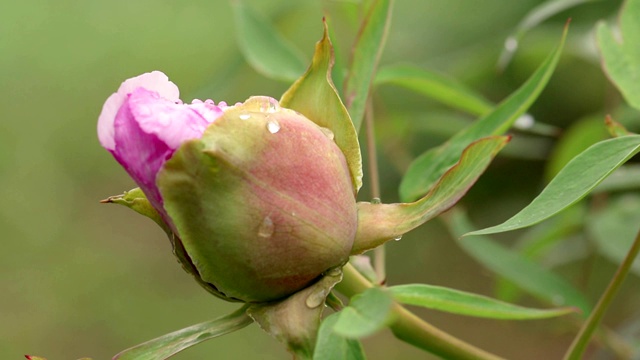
378,223
574,182
463,303
266,50
170,344
331,346
364,58
522,271
367,313
315,96
434,86
621,54
428,167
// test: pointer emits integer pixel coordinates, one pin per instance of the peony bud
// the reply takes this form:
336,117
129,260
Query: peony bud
260,197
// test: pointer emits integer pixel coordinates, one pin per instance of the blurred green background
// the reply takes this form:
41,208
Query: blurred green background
79,278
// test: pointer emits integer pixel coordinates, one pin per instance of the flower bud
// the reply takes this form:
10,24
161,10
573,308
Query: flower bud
260,197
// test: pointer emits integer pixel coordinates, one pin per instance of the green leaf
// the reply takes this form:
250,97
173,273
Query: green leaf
331,346
573,183
170,344
364,58
428,167
614,227
378,223
621,55
137,201
522,271
434,86
464,303
315,96
367,313
264,47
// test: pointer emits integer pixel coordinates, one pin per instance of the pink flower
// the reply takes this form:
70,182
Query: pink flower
143,124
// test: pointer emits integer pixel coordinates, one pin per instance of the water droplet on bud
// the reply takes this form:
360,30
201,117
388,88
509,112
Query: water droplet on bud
266,228
327,132
333,271
244,116
316,298
269,105
273,126
397,238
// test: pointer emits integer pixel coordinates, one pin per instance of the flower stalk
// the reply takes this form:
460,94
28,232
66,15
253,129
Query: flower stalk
409,328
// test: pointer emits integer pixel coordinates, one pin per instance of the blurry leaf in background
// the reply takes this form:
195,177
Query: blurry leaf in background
533,18
621,52
543,241
434,86
614,227
577,138
464,303
331,346
528,275
266,50
364,58
575,181
170,344
627,177
428,167
367,313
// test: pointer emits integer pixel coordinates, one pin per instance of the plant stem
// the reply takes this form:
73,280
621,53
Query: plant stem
411,329
581,341
379,256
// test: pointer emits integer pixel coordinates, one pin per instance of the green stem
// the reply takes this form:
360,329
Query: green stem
581,341
379,254
411,329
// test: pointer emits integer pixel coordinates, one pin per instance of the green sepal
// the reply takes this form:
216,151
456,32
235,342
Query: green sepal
295,320
137,201
379,223
315,96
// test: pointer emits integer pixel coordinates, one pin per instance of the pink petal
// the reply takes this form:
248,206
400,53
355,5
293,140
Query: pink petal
155,80
172,123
